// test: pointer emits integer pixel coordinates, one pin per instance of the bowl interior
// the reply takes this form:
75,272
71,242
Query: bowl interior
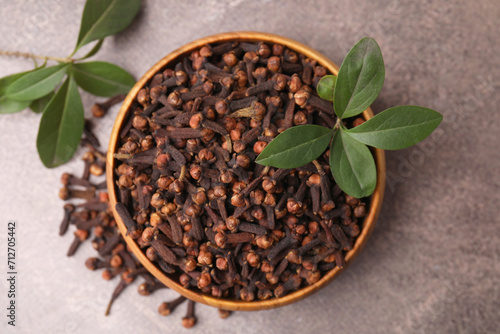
231,304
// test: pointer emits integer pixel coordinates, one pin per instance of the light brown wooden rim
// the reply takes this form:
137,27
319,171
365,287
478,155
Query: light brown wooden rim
229,304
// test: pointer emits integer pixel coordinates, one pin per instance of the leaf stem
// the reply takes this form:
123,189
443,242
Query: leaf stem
34,56
338,124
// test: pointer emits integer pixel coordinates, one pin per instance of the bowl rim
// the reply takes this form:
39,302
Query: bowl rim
231,304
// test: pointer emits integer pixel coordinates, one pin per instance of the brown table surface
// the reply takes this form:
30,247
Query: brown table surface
432,264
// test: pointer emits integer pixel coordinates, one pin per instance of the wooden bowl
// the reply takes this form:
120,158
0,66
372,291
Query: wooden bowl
231,304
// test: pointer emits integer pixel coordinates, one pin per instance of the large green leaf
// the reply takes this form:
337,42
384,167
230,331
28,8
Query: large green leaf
397,128
352,166
103,18
36,84
61,126
8,106
360,79
5,82
39,105
102,79
296,146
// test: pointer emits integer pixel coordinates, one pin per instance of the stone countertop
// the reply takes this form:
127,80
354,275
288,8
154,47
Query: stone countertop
432,263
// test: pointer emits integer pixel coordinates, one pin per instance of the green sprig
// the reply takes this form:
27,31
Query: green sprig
62,121
357,85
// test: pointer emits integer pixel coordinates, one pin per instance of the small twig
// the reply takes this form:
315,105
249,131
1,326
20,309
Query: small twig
31,56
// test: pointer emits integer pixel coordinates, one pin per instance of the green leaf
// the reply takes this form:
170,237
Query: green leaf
102,18
94,50
102,79
397,128
36,84
8,106
5,82
360,79
39,105
326,86
352,166
61,126
296,146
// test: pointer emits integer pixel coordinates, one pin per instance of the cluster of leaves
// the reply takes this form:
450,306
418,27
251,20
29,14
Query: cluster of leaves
357,85
62,121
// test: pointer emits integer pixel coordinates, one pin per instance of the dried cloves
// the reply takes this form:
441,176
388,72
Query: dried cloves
203,208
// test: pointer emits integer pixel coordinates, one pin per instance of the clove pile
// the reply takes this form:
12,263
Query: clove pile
87,209
191,194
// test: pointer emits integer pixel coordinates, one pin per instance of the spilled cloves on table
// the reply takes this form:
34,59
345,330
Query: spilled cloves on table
195,201
94,221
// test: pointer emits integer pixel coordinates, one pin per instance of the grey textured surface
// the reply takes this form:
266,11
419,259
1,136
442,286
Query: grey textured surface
432,264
